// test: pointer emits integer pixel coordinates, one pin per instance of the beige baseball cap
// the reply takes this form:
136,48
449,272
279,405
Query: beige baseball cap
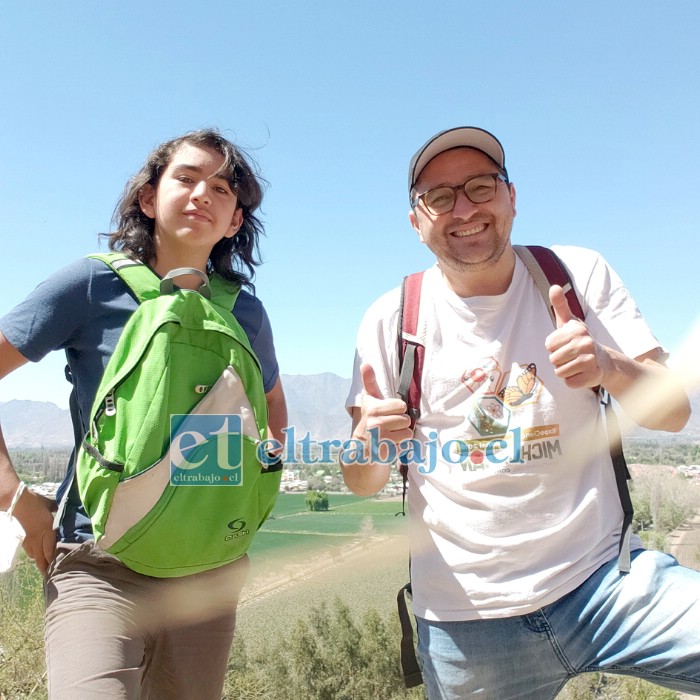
461,136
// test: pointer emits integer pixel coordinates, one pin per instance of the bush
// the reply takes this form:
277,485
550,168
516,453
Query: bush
22,665
652,539
328,656
316,501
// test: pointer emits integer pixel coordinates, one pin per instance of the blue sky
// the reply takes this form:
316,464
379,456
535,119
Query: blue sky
596,104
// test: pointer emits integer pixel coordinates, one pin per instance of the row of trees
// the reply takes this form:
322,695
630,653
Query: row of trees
49,464
661,451
36,465
662,503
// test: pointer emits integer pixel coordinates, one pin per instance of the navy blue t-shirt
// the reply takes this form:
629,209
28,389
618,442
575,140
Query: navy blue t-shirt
82,309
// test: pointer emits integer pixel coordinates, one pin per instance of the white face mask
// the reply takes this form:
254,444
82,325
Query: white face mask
11,534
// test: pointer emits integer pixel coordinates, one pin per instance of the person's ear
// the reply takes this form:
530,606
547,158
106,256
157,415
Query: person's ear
511,190
236,223
147,201
414,222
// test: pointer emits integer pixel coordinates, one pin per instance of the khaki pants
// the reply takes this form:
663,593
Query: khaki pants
113,633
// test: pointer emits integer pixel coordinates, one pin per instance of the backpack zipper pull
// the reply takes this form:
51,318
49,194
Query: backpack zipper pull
110,407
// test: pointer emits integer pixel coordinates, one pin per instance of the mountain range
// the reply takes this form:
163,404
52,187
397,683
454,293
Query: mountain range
315,403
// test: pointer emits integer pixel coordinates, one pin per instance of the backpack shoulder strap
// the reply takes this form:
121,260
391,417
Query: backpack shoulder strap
142,281
410,669
411,349
546,268
411,346
145,284
223,292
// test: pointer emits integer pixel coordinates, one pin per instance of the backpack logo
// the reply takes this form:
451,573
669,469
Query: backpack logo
206,449
238,529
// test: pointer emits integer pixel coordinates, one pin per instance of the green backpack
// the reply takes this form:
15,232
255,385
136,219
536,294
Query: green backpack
170,470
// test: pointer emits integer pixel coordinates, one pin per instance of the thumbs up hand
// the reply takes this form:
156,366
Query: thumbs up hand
577,357
562,312
370,386
376,423
388,416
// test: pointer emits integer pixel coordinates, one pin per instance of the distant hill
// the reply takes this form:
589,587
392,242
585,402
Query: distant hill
316,404
35,424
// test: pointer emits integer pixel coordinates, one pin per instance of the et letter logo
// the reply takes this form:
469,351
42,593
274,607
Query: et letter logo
206,450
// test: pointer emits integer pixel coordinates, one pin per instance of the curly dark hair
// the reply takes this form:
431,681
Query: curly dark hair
233,258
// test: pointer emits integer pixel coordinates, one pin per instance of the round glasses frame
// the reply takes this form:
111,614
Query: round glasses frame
464,188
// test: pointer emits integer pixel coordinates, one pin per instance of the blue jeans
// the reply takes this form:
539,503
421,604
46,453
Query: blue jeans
645,623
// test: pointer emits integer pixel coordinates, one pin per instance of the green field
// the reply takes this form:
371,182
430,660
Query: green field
294,504
291,526
357,551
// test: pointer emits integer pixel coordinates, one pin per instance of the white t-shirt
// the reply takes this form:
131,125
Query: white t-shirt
512,498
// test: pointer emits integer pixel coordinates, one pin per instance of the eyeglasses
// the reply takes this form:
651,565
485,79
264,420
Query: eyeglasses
478,189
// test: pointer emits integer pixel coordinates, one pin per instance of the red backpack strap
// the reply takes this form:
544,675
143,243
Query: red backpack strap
411,358
411,348
546,268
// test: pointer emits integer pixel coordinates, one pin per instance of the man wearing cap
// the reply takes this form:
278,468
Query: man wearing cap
514,514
